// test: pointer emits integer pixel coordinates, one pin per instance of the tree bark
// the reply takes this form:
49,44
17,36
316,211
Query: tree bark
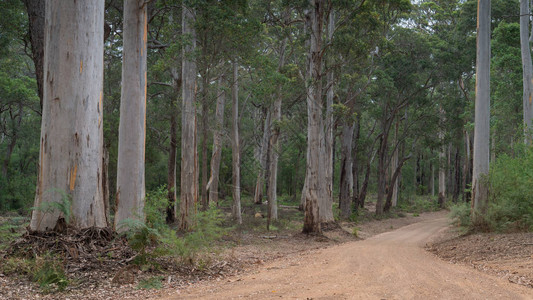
205,125
397,171
130,196
355,165
326,202
482,115
212,186
263,155
71,142
314,189
527,70
235,145
345,199
36,16
171,176
16,120
442,164
395,165
274,145
189,155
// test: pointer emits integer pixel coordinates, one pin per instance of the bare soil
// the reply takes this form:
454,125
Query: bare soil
315,263
507,256
391,265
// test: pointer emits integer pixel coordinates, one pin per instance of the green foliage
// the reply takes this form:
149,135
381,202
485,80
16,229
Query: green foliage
10,230
63,205
355,231
154,238
49,274
460,215
418,204
151,283
189,245
511,196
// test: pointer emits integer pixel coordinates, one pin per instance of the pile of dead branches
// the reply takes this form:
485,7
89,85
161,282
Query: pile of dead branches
80,249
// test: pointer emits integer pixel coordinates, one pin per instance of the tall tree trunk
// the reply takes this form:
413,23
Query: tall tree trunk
442,163
382,174
205,124
36,13
482,115
263,157
189,154
432,179
314,189
364,186
326,202
457,181
171,176
212,186
397,171
442,176
132,130
527,70
345,199
274,145
466,168
105,190
395,165
236,158
71,143
355,165
16,121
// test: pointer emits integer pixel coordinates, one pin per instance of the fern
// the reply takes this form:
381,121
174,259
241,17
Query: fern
63,206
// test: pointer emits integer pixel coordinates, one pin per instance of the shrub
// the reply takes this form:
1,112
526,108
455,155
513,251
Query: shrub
50,273
511,195
155,233
187,247
460,214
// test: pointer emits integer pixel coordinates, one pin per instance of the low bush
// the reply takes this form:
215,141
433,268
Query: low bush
154,238
511,193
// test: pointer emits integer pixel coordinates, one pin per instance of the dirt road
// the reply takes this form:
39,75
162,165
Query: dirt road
392,265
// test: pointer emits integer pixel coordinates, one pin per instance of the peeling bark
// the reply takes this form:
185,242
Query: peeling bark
132,129
189,159
71,144
212,186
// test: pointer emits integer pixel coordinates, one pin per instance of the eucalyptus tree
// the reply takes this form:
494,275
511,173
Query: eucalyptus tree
402,81
189,154
130,196
527,68
315,186
358,41
70,164
482,114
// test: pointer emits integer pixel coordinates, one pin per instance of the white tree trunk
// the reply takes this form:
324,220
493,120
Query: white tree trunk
71,148
346,176
482,114
263,154
326,202
236,156
527,69
315,185
189,155
212,186
132,128
274,145
442,162
395,185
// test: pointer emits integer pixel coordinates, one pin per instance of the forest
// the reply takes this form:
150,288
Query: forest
163,127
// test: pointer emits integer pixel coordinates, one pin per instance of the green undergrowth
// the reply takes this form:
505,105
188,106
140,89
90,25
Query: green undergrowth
154,238
510,206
